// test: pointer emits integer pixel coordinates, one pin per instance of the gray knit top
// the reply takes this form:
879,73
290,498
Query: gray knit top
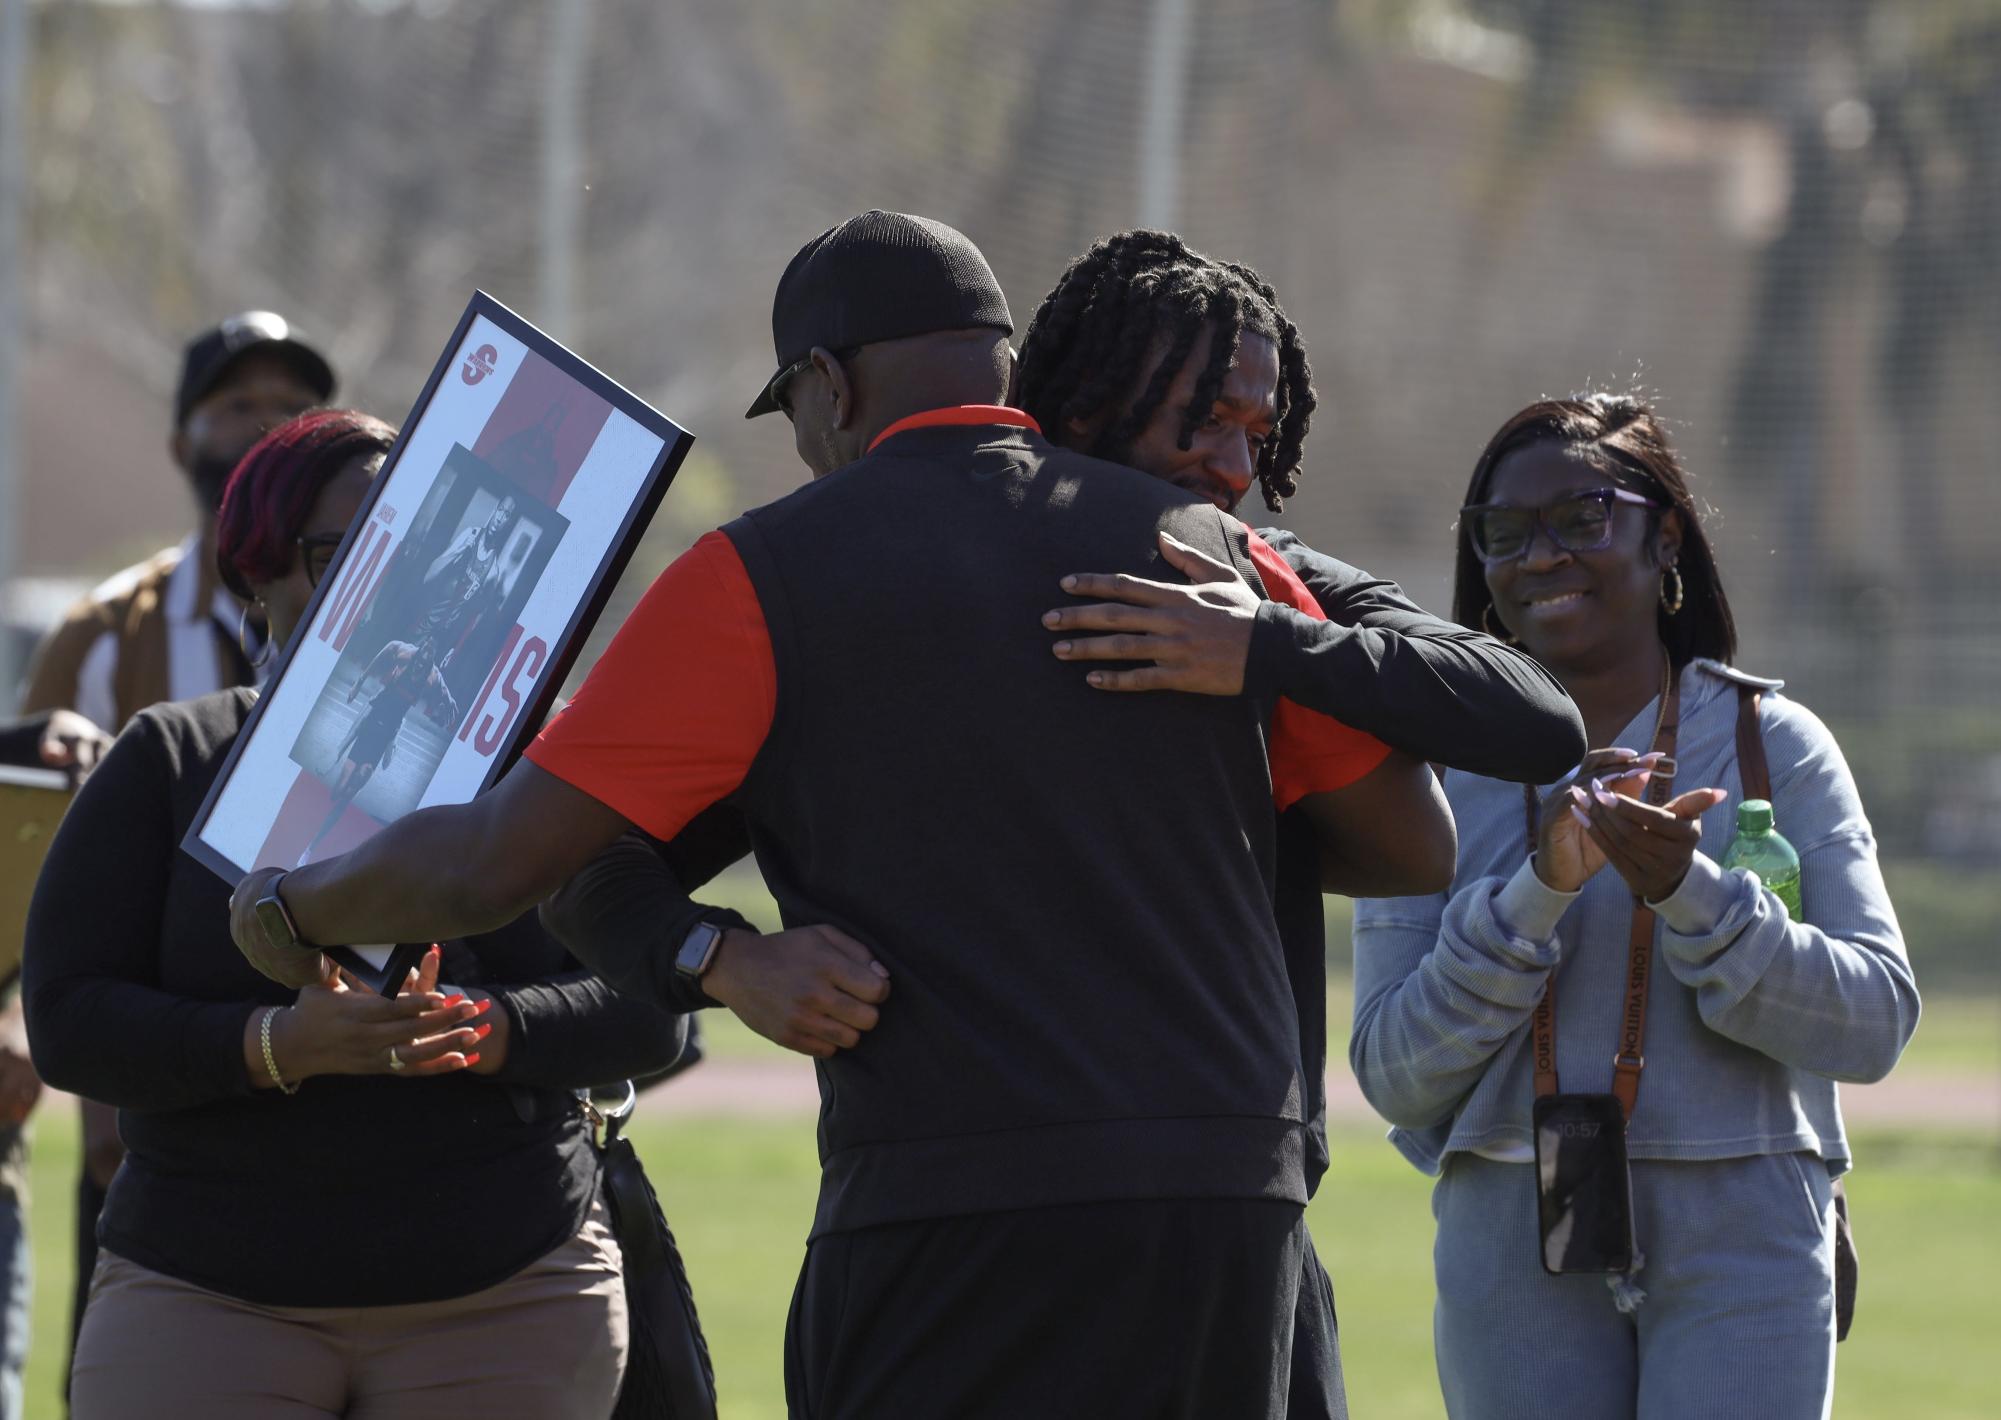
1751,1017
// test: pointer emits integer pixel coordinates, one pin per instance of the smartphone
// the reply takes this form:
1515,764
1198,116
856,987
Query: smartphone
1584,1187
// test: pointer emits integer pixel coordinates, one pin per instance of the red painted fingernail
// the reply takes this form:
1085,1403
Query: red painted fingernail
473,1059
483,1032
483,1007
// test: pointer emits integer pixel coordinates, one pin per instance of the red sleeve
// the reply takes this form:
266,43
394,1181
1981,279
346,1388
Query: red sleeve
1310,753
672,715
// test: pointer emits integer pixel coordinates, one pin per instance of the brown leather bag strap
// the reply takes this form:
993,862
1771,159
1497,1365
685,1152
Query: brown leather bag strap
1630,1059
1751,766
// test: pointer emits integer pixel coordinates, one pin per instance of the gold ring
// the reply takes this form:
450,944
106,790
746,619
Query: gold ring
395,1060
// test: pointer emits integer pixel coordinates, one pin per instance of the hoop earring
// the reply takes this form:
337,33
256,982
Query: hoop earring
1671,600
257,661
1487,626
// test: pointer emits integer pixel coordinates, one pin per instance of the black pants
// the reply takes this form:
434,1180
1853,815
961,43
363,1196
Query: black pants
1100,1311
1318,1391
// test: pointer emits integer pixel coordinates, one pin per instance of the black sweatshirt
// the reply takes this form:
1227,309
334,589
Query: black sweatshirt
358,1190
1379,663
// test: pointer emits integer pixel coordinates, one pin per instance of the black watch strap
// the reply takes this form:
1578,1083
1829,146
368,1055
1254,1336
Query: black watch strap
276,918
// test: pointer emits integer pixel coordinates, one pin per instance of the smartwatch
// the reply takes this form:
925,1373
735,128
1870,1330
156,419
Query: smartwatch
279,928
698,949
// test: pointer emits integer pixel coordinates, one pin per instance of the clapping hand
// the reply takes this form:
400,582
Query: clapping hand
1649,846
336,1029
1566,855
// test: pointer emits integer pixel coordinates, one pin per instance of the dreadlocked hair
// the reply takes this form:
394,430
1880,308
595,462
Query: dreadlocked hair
1142,291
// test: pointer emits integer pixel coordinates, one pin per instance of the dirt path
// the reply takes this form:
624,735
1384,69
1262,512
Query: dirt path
775,1088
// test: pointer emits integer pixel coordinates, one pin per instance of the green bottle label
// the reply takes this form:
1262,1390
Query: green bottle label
1786,888
1759,847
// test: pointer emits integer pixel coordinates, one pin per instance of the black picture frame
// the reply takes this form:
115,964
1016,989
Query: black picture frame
495,492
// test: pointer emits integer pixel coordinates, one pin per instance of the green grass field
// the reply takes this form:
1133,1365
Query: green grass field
740,1193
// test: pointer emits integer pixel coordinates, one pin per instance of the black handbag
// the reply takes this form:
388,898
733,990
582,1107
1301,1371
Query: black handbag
668,1374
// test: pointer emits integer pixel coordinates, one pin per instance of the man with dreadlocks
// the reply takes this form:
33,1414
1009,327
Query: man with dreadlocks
1062,1171
1154,355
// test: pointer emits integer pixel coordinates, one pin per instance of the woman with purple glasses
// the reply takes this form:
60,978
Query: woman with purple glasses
1620,1059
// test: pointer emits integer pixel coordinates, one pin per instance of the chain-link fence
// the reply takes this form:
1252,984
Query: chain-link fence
1781,218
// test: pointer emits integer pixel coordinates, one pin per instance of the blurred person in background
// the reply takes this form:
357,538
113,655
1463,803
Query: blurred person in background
1580,540
164,629
54,739
335,1203
1151,354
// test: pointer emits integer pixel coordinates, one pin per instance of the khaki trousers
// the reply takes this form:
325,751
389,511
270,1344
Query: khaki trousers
549,1343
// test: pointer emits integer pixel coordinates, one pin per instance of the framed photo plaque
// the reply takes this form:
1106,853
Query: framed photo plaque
452,611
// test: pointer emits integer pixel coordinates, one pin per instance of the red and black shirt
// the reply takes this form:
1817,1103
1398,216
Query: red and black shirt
1071,890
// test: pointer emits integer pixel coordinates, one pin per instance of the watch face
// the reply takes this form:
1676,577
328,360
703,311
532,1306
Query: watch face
277,926
697,948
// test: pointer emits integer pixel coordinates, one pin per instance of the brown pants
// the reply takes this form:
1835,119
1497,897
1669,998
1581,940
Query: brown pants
549,1343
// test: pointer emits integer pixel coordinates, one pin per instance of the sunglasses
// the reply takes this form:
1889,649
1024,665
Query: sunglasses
1576,522
792,371
317,553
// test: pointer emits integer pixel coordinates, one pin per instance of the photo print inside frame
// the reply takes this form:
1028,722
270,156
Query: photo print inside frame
453,610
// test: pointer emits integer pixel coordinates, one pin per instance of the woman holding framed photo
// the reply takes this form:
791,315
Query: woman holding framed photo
333,1203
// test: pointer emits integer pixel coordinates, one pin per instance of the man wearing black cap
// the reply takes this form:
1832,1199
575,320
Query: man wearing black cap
1064,1173
166,629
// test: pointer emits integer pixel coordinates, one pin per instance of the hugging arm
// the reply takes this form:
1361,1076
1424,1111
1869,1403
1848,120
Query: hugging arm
1388,834
1419,683
811,989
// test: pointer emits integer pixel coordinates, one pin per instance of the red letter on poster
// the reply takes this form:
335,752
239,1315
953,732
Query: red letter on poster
492,679
351,595
533,653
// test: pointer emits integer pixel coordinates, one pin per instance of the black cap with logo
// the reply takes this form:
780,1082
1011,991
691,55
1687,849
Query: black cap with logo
878,276
210,354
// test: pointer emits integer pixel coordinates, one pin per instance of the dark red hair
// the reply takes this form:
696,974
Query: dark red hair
275,486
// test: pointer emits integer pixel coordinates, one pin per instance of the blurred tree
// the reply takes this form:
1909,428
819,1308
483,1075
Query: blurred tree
1891,117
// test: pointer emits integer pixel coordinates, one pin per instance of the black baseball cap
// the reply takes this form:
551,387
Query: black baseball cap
210,354
879,276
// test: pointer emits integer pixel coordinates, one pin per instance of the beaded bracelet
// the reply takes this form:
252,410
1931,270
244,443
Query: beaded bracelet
270,1061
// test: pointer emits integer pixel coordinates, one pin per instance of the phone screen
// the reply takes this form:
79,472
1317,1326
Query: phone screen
1584,1190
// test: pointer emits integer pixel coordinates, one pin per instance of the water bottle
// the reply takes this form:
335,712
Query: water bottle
1759,847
